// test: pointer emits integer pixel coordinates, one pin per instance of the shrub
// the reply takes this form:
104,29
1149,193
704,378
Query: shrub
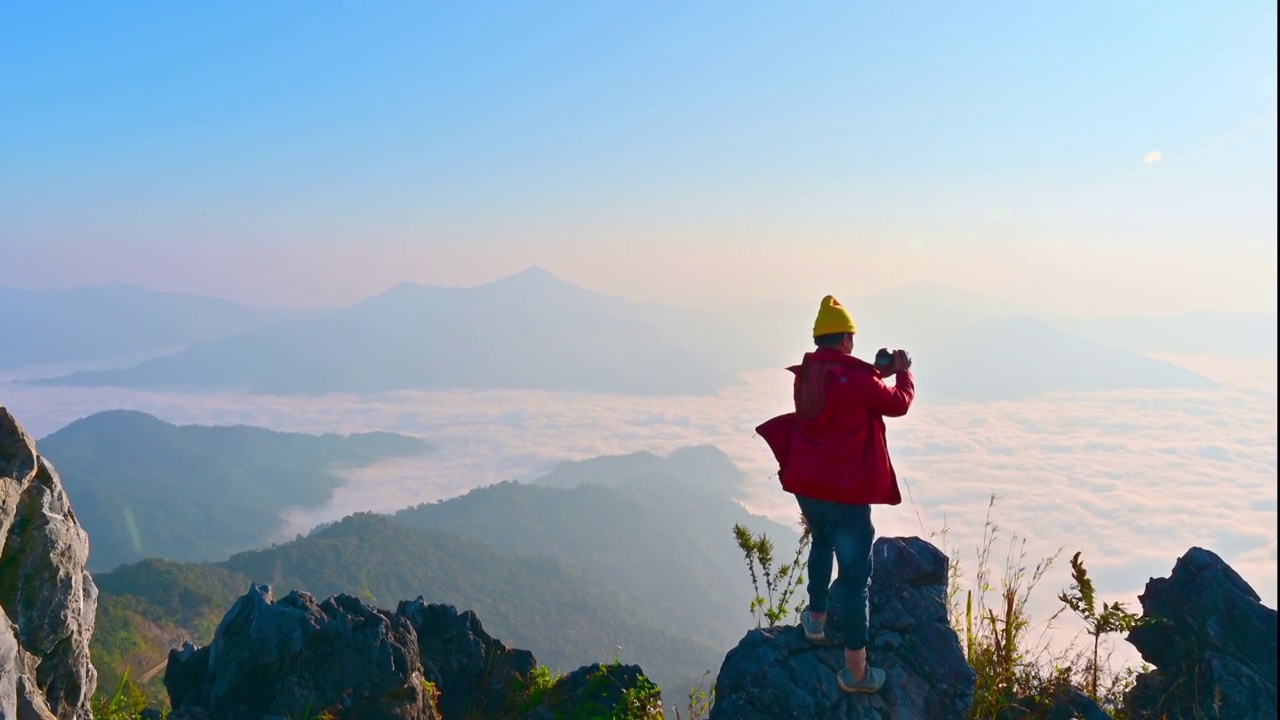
779,585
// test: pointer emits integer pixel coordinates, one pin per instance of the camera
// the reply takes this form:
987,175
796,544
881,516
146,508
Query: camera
884,359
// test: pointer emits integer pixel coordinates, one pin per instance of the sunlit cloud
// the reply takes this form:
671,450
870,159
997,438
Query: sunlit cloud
1131,478
1153,157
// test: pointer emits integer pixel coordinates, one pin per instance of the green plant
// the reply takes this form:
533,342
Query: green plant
1114,617
643,702
543,688
700,701
1012,662
127,702
432,693
996,635
780,584
942,538
531,690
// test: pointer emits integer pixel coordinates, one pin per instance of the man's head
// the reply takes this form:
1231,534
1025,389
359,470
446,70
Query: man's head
833,327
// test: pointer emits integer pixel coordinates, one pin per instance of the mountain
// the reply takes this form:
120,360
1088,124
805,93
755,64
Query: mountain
703,469
1217,334
143,487
1012,358
535,331
969,348
112,321
660,529
567,615
530,330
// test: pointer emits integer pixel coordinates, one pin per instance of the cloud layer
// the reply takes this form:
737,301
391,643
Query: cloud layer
1132,479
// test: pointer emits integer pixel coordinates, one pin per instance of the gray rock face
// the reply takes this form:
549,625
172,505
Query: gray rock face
49,600
776,673
472,670
1212,642
297,658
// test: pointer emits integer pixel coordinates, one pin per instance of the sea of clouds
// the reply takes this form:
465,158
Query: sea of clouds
1131,479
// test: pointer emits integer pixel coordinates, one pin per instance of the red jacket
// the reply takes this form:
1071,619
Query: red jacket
832,447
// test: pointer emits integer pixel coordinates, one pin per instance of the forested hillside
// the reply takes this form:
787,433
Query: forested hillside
143,487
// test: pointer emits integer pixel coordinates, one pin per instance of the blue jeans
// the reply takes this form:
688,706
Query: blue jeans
845,531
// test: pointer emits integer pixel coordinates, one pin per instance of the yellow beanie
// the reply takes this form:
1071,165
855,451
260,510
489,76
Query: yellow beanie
832,318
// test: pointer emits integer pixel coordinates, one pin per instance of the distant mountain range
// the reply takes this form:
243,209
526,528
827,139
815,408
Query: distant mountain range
144,487
535,331
527,331
112,321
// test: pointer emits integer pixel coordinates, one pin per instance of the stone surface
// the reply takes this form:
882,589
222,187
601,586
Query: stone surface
473,671
776,673
1212,642
296,657
48,599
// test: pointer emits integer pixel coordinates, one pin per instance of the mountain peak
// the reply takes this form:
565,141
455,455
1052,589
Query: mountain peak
533,279
534,274
536,271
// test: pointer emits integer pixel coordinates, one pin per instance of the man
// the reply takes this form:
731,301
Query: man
833,457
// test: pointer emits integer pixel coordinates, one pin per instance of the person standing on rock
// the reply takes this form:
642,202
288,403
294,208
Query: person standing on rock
832,455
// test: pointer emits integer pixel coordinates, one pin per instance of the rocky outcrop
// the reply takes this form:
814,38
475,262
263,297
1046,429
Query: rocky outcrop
775,673
1212,642
47,597
297,657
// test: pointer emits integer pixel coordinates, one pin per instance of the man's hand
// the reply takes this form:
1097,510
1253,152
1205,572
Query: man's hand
885,369
901,361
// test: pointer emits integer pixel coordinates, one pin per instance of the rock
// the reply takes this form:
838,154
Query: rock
184,675
472,671
1065,703
48,599
296,657
1212,642
600,691
776,673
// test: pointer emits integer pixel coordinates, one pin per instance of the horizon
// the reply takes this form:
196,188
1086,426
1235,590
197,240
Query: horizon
535,268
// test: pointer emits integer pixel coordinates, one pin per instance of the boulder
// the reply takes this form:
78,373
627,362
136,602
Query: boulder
48,599
776,673
1212,642
298,658
473,671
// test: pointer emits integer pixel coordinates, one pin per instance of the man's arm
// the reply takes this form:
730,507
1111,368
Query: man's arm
889,401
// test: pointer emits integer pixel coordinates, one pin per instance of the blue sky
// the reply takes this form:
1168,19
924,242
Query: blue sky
647,147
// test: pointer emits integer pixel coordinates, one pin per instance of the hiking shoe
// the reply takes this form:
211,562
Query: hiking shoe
871,683
814,630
